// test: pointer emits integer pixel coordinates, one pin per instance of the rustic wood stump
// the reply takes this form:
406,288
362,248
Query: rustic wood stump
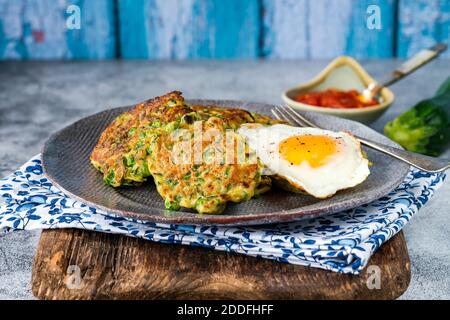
120,267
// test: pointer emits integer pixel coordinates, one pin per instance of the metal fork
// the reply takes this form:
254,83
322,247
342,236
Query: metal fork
424,163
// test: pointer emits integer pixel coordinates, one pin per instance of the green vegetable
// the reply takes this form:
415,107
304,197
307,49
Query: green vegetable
129,160
172,183
172,103
172,205
444,88
146,171
426,127
227,172
187,176
156,124
139,144
109,178
149,150
132,131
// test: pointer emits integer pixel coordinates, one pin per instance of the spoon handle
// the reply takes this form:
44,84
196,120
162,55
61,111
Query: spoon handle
418,60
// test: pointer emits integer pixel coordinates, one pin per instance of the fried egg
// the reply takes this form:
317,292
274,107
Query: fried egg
318,162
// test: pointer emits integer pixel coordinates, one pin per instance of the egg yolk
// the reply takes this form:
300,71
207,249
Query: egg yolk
314,149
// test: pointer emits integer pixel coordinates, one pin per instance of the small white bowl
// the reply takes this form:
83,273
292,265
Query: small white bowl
343,73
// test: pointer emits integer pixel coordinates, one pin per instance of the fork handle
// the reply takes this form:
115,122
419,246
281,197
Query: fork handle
422,162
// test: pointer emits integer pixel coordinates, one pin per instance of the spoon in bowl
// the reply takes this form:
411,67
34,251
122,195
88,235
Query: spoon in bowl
420,59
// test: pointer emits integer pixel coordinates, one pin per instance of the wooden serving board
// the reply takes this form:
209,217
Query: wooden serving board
120,267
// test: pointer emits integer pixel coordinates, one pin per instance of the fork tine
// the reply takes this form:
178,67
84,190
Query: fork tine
298,117
281,116
275,114
286,116
292,119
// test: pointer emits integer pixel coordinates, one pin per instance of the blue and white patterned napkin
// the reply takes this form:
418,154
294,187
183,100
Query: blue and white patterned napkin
341,242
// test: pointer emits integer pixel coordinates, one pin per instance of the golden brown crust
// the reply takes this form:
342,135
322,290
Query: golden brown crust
115,141
233,117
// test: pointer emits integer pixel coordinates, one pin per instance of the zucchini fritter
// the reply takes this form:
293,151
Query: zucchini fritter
206,185
120,136
140,144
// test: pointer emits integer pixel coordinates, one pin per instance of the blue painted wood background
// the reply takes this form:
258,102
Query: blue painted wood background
173,29
186,29
422,23
36,29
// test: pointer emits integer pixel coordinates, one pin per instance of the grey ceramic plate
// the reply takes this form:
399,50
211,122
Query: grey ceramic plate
66,163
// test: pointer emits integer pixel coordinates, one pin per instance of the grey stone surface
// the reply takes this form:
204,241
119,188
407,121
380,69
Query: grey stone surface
38,98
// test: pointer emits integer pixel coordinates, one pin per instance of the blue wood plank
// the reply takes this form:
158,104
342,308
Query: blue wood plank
96,39
11,30
327,28
37,29
132,28
236,26
422,23
285,29
171,29
363,42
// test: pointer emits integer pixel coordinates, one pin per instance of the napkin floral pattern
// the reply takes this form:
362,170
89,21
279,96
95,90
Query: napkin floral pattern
341,242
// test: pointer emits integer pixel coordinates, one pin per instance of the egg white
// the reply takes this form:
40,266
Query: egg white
344,169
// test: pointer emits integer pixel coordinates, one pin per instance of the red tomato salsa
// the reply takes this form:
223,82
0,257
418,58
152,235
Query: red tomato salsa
334,98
